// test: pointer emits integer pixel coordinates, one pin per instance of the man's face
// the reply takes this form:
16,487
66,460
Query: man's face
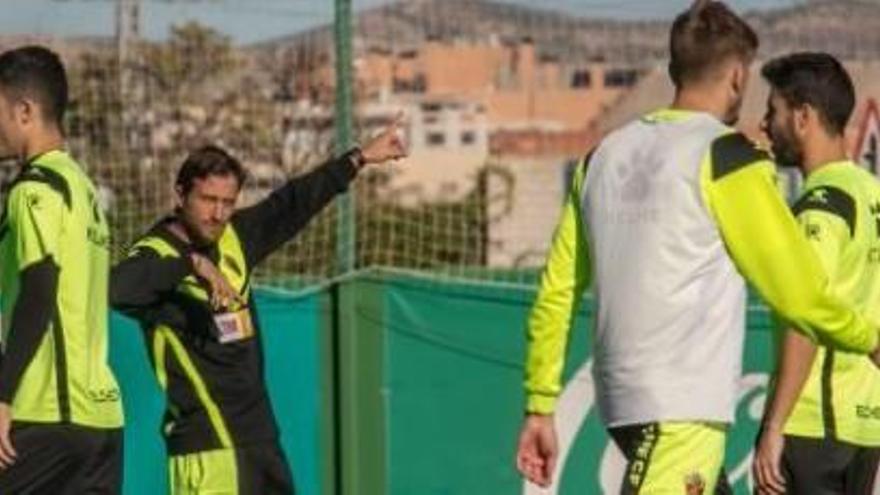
778,125
206,209
11,128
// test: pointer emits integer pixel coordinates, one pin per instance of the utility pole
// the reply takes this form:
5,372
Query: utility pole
128,31
345,247
130,88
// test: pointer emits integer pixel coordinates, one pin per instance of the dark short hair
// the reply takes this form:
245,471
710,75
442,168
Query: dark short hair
37,73
704,37
815,79
207,161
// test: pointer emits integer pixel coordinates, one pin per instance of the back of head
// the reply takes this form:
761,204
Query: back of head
704,38
36,73
815,79
207,161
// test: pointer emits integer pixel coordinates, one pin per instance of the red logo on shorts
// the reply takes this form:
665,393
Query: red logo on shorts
694,484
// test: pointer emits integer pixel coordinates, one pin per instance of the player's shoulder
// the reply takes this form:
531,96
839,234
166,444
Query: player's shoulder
836,198
857,181
623,137
41,184
843,182
732,151
158,241
685,135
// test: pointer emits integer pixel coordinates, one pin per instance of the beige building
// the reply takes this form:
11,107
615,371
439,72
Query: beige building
513,83
469,104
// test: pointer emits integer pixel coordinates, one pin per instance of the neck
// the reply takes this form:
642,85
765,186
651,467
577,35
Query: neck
187,234
179,229
700,100
821,151
42,143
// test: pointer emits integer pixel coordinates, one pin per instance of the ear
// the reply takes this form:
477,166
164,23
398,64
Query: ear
178,196
25,111
803,117
739,76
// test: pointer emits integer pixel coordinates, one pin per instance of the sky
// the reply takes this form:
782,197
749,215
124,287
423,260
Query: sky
249,21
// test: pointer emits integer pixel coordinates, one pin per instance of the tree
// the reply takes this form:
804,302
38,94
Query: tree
193,55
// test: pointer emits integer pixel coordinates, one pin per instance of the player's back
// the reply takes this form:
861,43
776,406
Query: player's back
670,303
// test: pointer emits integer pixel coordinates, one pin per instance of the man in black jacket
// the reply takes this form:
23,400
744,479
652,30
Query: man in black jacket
187,281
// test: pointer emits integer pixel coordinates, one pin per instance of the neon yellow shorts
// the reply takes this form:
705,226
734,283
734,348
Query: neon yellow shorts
675,458
213,472
255,468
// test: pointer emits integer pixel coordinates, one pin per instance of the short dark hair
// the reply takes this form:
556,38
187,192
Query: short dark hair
815,79
704,37
37,73
206,161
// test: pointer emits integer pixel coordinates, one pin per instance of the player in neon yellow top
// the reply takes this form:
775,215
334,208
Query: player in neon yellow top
60,407
822,427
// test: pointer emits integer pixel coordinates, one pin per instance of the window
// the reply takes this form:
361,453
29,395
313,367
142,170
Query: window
620,78
468,138
431,107
581,79
436,139
416,85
